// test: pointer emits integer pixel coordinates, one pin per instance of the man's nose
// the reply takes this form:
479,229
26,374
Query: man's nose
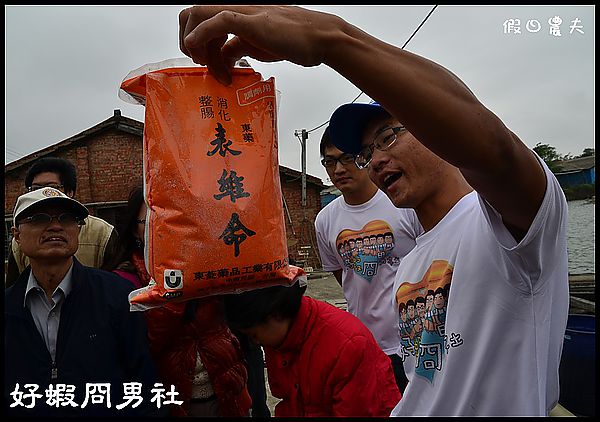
54,224
339,167
379,161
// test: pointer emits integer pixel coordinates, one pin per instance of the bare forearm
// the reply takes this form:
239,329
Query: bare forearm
434,104
446,117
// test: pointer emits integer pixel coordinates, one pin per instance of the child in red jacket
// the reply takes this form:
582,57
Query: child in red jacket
321,360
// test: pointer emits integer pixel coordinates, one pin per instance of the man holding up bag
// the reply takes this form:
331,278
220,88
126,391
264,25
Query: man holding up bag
494,216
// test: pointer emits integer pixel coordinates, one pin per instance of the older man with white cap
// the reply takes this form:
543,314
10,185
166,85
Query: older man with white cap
67,325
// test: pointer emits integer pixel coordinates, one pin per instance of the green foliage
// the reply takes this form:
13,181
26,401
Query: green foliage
552,158
549,155
546,152
584,191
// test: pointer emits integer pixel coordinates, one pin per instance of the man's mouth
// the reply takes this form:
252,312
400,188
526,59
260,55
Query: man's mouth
390,179
342,180
55,239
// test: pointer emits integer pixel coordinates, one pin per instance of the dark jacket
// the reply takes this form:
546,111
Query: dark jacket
99,341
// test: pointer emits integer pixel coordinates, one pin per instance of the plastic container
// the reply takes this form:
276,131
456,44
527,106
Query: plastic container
578,366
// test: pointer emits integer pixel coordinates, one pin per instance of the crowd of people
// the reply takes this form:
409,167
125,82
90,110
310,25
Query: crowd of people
448,240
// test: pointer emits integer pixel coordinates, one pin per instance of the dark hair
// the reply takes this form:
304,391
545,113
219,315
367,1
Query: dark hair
430,293
420,299
325,141
65,169
134,203
254,307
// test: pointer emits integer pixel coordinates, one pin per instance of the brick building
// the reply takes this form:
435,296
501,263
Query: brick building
108,158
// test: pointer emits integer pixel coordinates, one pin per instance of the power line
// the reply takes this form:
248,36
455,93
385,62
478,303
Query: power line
14,156
13,152
407,41
8,148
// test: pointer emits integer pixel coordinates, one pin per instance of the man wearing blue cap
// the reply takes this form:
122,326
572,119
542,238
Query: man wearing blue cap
70,343
494,216
367,272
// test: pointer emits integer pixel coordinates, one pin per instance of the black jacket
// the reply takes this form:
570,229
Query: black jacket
99,341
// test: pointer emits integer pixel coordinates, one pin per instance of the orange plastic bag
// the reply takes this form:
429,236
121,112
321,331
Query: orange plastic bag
215,220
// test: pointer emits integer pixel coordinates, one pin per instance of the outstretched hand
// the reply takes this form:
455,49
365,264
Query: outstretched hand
265,33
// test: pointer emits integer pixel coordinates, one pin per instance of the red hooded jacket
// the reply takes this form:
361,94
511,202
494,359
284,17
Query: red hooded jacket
174,345
330,365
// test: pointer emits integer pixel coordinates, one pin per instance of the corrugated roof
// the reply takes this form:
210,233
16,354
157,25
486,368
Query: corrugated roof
128,125
576,164
117,121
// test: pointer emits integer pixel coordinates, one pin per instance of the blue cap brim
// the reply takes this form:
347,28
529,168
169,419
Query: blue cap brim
348,123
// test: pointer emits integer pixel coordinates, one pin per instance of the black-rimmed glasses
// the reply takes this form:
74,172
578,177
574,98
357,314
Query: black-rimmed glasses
331,162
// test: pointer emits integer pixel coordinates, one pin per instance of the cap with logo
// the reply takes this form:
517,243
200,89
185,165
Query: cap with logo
34,200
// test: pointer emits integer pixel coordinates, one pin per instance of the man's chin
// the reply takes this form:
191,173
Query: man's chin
343,183
52,256
398,200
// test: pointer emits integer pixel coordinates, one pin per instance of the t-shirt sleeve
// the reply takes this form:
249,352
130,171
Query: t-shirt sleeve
544,245
326,252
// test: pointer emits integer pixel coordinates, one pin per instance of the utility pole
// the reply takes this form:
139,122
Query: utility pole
305,245
303,138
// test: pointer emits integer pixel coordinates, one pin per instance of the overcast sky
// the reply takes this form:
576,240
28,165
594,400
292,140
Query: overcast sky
64,65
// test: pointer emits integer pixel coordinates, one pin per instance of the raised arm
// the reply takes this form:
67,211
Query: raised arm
433,104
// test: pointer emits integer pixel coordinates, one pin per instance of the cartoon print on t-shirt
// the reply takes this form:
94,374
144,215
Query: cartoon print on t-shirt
364,250
422,310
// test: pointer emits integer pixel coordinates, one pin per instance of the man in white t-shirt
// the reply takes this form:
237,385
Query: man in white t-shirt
366,273
482,299
495,217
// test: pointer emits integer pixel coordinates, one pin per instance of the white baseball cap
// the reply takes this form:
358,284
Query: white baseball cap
47,196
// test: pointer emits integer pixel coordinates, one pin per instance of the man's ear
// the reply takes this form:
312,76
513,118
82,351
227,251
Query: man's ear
16,234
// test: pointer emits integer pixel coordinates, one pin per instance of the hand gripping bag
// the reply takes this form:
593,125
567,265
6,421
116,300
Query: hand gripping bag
215,220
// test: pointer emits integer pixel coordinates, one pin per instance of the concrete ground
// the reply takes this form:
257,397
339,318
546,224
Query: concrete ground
322,286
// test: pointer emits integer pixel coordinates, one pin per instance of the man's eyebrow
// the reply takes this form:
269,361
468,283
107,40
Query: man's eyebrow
335,156
388,126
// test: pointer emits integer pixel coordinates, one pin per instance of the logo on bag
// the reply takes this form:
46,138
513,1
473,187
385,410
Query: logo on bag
173,279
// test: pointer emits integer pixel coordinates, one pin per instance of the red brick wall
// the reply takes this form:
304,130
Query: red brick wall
115,163
109,164
13,188
301,232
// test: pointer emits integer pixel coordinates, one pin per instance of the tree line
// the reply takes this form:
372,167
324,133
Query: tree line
552,158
